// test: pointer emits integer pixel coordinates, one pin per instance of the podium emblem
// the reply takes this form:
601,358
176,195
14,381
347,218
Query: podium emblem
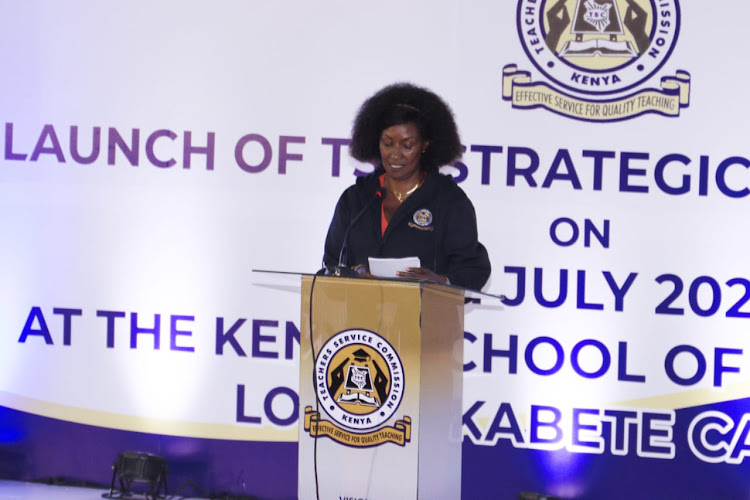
359,384
359,379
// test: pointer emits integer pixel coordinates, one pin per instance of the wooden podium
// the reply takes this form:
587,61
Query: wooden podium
380,393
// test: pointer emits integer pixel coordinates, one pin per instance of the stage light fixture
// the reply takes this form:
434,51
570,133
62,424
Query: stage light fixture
527,495
137,467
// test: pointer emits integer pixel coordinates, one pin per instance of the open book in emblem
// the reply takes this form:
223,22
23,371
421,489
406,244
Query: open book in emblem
358,383
596,18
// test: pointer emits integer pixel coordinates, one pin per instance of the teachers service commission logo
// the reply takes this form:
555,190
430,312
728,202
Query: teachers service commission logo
359,382
596,56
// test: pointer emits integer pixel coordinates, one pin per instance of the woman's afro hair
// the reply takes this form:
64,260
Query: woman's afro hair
406,103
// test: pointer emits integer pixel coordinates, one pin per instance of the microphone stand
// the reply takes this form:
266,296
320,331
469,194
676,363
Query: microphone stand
342,269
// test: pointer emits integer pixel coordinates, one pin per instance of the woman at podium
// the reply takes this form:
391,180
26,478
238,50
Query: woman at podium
406,207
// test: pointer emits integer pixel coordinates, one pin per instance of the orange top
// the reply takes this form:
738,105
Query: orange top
383,221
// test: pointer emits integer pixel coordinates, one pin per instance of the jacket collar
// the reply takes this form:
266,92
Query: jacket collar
417,200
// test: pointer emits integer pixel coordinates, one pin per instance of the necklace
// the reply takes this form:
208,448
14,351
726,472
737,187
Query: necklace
402,196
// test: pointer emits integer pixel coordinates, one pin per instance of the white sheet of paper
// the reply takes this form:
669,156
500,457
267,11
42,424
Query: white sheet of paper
386,268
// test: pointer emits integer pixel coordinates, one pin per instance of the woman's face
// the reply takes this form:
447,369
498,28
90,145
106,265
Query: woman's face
401,147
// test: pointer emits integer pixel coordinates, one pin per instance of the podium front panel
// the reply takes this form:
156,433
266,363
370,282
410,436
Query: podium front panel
361,388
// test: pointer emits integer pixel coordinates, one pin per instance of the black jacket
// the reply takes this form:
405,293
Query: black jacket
437,224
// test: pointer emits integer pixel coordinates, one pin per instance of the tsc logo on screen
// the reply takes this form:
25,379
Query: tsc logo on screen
596,57
359,384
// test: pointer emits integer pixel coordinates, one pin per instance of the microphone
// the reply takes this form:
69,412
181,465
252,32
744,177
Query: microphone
342,269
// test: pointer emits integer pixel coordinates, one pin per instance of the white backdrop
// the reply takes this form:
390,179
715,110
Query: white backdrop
113,241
